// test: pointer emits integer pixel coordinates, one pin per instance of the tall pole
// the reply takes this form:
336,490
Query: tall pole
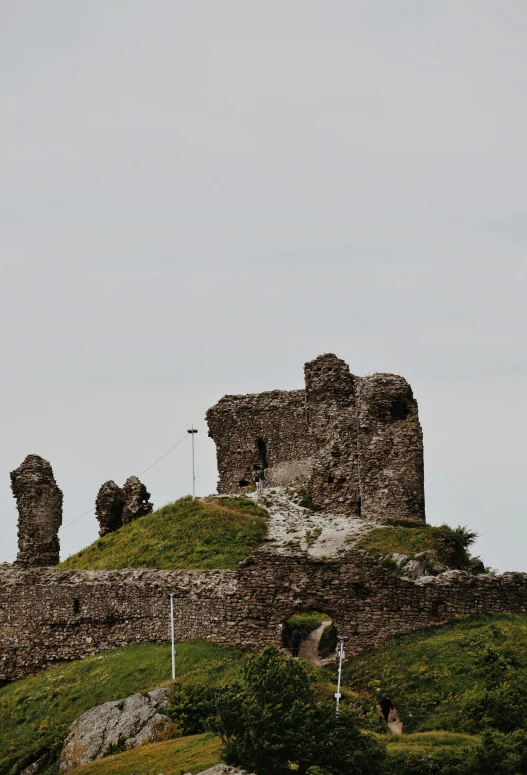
193,431
173,637
341,639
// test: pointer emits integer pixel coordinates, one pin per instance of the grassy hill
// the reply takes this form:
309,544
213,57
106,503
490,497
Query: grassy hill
434,676
35,713
209,533
173,757
439,677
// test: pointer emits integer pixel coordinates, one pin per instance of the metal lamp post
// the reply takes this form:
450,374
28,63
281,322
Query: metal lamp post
192,432
341,639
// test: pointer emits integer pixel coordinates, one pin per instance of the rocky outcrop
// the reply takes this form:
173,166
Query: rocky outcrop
136,500
115,725
109,508
39,504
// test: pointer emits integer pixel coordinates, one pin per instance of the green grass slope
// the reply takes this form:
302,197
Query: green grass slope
173,757
36,713
433,675
209,533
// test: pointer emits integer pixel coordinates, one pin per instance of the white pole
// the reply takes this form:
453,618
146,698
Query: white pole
338,695
173,638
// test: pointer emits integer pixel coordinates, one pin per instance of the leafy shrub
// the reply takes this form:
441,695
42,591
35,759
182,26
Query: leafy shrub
270,720
191,706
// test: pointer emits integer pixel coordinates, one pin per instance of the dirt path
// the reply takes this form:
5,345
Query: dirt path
320,534
309,646
395,725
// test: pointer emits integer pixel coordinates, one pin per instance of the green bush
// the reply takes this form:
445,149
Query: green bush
192,706
270,721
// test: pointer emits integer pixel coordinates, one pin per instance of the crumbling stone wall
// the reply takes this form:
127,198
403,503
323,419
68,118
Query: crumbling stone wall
136,500
354,443
39,504
51,615
116,506
109,506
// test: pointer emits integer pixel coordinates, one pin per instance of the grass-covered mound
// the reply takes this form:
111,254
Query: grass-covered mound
36,713
444,546
173,757
469,675
209,533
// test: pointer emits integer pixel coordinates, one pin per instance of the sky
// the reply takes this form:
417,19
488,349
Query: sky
198,197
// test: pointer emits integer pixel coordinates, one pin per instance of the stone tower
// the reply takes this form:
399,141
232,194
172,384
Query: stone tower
136,500
39,504
353,443
109,508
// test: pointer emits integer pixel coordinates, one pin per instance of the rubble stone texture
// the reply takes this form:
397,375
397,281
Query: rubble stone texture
39,504
109,508
132,720
50,615
136,500
354,444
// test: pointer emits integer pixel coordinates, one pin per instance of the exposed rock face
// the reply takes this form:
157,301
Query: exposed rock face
39,504
109,508
353,443
130,722
136,500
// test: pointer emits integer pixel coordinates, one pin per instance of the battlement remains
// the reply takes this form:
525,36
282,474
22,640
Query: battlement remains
354,444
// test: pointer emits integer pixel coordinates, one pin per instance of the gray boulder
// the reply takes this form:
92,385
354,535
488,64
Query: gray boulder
127,722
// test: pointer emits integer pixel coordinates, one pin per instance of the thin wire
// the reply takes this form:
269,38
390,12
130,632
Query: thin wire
62,527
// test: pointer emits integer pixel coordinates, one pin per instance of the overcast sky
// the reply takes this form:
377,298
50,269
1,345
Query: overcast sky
197,197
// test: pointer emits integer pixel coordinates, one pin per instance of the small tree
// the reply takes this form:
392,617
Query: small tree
271,721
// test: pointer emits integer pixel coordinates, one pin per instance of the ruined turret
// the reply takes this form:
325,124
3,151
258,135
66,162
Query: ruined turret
136,500
354,444
109,508
39,504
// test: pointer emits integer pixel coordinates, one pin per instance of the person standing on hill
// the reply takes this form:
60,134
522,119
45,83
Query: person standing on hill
296,639
386,707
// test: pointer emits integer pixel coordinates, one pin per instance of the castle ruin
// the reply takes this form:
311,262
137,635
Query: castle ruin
354,444
39,504
116,506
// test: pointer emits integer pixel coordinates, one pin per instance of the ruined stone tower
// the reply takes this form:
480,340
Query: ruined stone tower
136,500
116,506
39,504
353,443
109,508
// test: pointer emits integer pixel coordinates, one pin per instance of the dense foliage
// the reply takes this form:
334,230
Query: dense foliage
270,720
206,533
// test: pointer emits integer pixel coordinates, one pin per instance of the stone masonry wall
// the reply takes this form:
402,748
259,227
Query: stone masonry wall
355,444
48,616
